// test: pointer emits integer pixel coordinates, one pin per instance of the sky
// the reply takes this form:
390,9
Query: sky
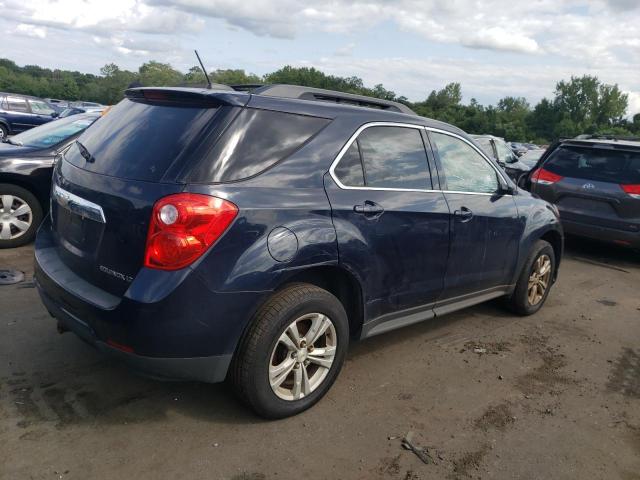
494,48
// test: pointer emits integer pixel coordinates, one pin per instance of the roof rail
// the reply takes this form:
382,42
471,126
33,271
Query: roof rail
319,94
587,136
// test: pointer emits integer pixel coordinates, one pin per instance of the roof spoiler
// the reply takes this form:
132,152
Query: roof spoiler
319,94
188,96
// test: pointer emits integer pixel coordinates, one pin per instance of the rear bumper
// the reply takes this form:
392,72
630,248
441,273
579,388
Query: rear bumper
182,330
611,235
205,369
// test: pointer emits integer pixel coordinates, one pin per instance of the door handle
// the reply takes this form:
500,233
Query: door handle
464,214
369,209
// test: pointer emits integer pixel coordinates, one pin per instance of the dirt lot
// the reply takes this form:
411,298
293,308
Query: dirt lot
488,394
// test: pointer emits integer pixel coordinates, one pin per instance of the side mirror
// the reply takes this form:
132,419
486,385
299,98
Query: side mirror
55,115
501,163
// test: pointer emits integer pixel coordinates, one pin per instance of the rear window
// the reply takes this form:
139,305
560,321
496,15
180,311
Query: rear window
139,141
256,140
597,164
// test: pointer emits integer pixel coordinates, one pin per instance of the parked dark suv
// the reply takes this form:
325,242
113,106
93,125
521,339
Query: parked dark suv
595,184
206,234
22,112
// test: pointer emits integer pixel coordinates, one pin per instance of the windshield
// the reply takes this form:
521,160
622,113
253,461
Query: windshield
53,133
485,145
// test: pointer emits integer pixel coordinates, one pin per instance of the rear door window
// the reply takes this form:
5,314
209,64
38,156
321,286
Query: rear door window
599,164
255,140
16,104
394,157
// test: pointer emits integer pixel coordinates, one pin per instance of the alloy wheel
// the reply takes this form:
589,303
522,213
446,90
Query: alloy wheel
302,356
16,217
539,279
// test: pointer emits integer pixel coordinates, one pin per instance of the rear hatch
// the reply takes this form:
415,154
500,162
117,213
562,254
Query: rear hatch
593,184
106,184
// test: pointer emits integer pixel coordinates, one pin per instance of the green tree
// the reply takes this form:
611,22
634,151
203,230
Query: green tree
588,104
511,119
159,74
234,77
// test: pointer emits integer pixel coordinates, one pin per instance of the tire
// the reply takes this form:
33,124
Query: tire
4,132
520,301
11,234
262,351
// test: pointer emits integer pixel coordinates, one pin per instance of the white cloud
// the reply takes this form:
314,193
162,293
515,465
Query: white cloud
634,103
497,38
345,50
493,47
30,31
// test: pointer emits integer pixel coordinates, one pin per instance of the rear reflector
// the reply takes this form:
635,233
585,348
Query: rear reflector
545,177
632,190
120,346
183,226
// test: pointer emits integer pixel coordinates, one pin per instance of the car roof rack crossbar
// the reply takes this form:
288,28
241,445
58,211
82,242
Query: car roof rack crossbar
319,94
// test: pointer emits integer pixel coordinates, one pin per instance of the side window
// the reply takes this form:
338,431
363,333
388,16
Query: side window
40,108
394,157
465,170
349,169
17,104
256,140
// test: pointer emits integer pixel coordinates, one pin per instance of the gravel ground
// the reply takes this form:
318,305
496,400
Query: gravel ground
484,393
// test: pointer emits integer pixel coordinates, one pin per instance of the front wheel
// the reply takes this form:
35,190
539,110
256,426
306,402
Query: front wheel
536,279
292,353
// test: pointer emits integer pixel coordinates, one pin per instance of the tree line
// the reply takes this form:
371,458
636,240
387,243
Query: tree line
579,105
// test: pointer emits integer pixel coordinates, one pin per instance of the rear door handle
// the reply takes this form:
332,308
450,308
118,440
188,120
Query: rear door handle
369,209
464,214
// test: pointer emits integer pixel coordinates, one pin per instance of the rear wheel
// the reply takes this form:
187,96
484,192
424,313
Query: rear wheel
292,353
20,215
4,132
535,280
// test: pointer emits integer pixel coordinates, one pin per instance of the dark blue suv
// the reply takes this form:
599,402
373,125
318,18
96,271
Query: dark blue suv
22,112
212,234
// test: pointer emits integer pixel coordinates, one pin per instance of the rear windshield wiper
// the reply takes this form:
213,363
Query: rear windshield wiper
85,153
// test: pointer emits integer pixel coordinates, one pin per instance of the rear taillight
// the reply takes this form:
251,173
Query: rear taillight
183,226
632,190
545,177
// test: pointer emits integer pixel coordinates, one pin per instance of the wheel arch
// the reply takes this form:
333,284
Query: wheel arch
555,239
5,123
340,283
31,187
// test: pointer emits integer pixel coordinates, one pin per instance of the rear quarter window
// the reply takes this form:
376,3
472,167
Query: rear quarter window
255,141
599,164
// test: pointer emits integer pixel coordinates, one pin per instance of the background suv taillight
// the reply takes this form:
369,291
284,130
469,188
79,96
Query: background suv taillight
545,177
183,226
631,190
